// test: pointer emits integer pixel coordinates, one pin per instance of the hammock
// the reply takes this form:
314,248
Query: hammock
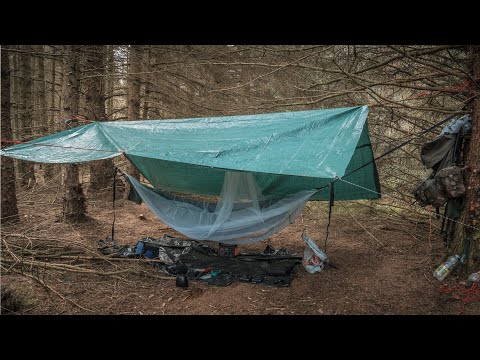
239,217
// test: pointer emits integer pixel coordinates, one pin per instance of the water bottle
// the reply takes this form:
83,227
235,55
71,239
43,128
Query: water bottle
444,269
473,278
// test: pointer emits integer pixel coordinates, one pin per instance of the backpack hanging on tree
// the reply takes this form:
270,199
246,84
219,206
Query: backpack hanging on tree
431,192
451,178
438,153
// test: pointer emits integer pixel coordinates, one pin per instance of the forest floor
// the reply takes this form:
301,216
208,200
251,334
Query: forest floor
384,262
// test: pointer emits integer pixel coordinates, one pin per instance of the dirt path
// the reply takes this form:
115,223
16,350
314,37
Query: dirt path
370,279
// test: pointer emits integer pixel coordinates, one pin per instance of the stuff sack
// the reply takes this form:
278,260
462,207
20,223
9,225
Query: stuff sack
451,178
463,124
314,258
430,192
439,152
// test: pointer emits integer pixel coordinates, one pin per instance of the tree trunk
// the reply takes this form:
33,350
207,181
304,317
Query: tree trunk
9,210
133,99
14,72
467,241
59,126
148,87
41,87
49,168
25,168
82,91
101,172
74,200
15,121
109,82
146,102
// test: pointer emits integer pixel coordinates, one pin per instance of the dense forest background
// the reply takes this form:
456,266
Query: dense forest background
48,88
56,218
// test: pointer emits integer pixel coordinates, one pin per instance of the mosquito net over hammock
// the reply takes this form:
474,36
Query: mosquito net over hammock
240,216
263,168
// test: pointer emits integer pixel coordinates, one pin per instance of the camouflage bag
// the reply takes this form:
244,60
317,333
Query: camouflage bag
430,192
451,178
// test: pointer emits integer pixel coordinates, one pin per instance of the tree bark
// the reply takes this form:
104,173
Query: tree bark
15,121
49,168
25,168
74,200
467,241
133,99
134,83
40,93
101,172
9,210
148,87
109,82
14,84
41,87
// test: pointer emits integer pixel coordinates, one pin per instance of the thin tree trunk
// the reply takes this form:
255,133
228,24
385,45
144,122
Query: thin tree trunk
133,99
49,168
15,73
41,87
109,78
74,200
82,91
9,210
59,126
101,172
148,87
467,240
41,97
134,83
26,169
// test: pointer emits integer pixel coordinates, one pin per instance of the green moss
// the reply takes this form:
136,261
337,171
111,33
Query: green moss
16,300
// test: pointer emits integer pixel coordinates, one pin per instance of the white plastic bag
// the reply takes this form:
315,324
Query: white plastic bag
314,259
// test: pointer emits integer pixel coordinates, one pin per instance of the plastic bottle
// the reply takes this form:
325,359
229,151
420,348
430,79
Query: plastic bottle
443,270
473,278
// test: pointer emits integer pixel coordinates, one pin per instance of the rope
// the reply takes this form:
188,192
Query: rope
78,118
463,86
403,144
11,141
337,178
408,204
330,205
361,167
78,148
469,295
64,147
113,204
73,117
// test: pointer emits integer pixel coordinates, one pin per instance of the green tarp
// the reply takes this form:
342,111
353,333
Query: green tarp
287,152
